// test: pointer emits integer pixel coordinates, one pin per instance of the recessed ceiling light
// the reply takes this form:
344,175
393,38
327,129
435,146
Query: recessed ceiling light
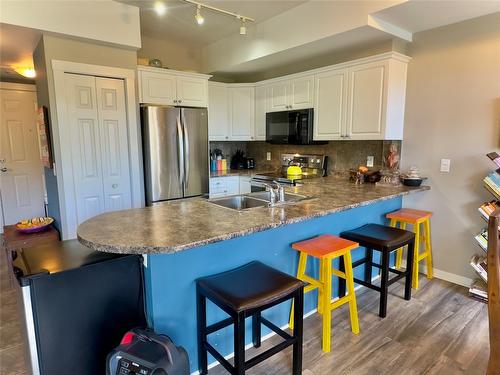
198,17
160,8
26,72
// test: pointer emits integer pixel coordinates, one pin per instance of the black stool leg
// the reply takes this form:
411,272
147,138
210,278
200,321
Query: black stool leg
384,283
341,281
256,330
368,265
239,344
201,312
298,331
409,270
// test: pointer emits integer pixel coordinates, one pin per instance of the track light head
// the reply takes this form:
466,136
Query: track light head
198,17
243,28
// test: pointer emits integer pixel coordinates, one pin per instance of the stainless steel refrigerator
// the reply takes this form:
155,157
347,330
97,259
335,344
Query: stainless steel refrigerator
175,147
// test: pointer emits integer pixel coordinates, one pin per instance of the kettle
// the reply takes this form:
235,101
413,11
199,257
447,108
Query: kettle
294,170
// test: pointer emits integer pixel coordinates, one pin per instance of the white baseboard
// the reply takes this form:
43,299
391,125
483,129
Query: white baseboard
271,334
443,275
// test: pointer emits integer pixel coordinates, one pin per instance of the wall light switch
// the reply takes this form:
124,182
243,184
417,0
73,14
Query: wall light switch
445,165
369,161
268,156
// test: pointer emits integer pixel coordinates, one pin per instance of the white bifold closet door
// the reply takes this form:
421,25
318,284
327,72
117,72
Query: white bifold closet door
99,144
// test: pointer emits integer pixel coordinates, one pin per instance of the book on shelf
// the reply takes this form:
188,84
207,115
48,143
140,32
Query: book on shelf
492,183
479,290
495,157
487,208
478,262
482,239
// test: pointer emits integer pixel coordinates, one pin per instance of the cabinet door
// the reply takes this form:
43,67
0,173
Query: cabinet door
330,108
233,185
158,88
245,185
278,96
260,113
217,187
218,113
192,92
242,112
367,93
302,93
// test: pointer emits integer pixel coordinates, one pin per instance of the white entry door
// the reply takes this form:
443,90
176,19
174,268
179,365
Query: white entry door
21,181
99,144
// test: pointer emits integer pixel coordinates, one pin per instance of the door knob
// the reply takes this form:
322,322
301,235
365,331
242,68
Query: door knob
4,169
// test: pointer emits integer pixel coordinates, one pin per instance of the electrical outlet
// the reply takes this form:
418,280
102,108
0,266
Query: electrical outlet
369,161
268,156
445,165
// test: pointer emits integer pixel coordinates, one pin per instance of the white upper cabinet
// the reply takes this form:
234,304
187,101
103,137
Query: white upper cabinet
170,87
289,94
330,105
157,88
218,112
192,92
278,96
260,113
302,93
367,93
242,112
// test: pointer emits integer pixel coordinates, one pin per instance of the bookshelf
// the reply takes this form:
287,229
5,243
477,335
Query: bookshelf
479,287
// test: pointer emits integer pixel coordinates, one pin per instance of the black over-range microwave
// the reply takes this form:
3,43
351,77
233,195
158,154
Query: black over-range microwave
290,127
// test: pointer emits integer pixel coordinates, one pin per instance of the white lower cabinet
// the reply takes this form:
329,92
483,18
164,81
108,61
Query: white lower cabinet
245,185
224,186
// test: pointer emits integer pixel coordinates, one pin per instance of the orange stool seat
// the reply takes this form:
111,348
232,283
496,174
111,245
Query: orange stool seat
326,248
409,215
416,218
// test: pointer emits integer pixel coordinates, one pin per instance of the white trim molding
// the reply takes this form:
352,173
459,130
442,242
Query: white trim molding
444,275
62,138
17,86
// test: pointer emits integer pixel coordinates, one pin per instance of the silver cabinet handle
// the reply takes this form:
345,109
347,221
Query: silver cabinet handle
227,137
114,186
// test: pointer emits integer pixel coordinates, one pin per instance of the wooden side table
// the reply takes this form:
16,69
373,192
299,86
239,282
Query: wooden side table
14,240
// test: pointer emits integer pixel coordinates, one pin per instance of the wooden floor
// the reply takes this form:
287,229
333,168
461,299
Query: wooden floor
440,331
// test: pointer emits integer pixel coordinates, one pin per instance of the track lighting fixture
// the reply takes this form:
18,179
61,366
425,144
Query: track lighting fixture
198,17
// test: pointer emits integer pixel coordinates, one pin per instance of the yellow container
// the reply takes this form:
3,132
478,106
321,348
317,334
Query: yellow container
224,164
294,170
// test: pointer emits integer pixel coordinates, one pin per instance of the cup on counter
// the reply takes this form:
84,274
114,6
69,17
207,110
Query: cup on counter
224,165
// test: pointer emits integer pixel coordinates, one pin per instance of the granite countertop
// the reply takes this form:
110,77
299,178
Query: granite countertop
180,225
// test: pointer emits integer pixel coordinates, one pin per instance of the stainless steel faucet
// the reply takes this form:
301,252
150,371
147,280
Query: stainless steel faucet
277,192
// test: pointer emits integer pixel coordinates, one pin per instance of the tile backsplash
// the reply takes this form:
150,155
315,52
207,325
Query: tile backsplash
342,155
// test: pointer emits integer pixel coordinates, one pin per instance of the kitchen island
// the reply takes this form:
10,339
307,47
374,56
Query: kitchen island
186,239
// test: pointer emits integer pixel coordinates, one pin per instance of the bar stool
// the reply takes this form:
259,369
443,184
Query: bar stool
326,248
243,292
386,240
416,218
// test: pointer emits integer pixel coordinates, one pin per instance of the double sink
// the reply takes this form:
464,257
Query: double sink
254,200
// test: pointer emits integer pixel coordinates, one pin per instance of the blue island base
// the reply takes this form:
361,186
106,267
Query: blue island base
170,278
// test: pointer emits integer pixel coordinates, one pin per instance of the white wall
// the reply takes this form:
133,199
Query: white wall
453,111
172,54
102,20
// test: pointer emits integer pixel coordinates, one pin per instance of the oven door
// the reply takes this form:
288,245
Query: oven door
289,127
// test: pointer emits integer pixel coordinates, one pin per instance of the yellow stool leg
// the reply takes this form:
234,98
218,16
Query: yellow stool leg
327,297
301,270
320,290
428,248
353,308
416,256
399,252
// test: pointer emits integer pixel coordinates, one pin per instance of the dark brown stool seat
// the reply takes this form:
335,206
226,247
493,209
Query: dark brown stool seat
245,292
386,240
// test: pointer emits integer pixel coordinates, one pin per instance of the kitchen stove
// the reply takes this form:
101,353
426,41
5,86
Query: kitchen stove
313,166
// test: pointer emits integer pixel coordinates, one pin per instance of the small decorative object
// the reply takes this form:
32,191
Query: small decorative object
36,224
44,137
412,178
390,173
155,63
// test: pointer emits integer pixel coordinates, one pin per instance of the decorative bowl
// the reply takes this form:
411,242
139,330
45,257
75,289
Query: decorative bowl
412,181
36,224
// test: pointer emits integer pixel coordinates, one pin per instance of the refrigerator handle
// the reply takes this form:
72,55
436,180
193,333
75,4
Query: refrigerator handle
180,149
186,150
